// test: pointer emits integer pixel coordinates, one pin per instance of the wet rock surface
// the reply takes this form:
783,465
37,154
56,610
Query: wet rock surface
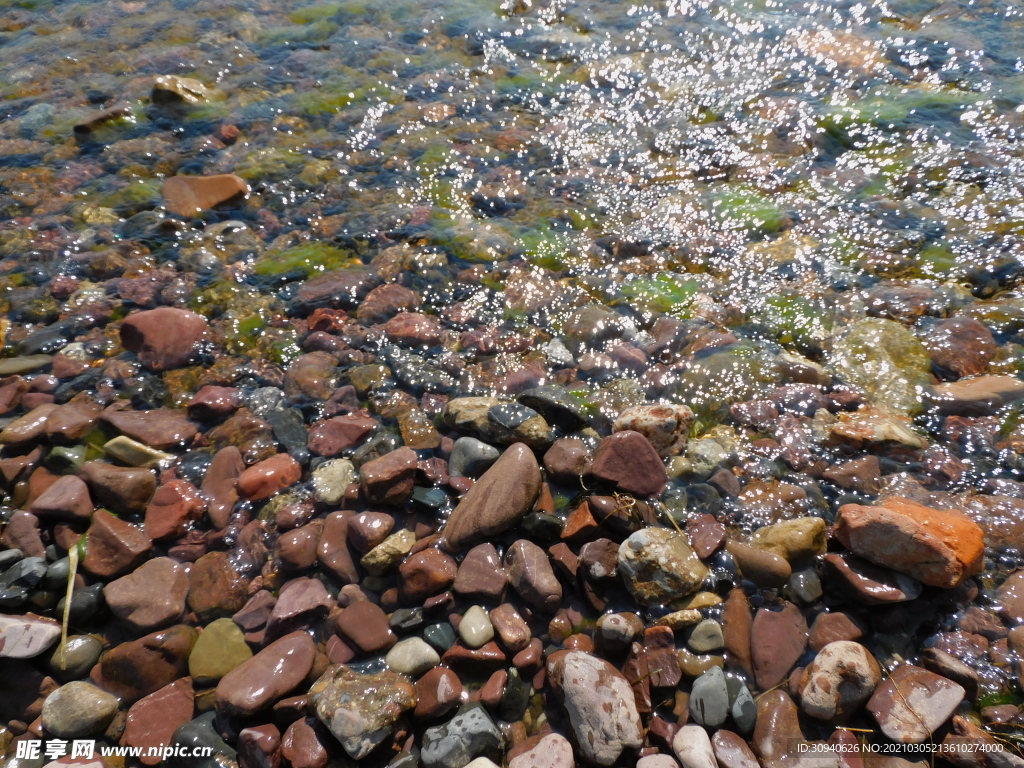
448,385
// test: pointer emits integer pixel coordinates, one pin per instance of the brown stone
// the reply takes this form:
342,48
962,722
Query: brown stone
766,569
175,504
778,639
66,499
737,625
114,547
512,629
828,627
153,719
868,583
220,484
863,475
151,597
368,529
531,575
424,574
437,693
215,590
365,626
29,428
141,667
296,549
68,424
160,428
263,479
706,535
22,532
961,346
122,490
481,575
628,461
913,703
389,479
164,338
567,461
213,402
777,731
270,675
332,437
334,552
660,650
188,195
940,548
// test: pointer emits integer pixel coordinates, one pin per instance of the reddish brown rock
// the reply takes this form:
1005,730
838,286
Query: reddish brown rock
913,703
737,624
160,428
312,375
163,338
296,549
151,597
213,402
341,287
114,547
29,428
66,499
437,693
777,731
424,574
389,479
368,529
301,603
332,437
731,750
175,503
498,500
22,532
706,535
141,667
122,490
256,612
481,575
215,590
365,625
940,548
961,346
259,747
12,389
476,662
306,744
660,650
188,195
867,583
628,461
385,301
512,629
567,461
413,329
220,484
778,639
863,475
263,479
268,676
531,575
766,569
334,552
153,719
829,627
68,424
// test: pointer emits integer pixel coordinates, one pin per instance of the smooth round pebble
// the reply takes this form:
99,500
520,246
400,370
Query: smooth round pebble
476,629
412,656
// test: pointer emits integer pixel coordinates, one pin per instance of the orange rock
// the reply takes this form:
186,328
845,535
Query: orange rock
186,195
940,548
263,479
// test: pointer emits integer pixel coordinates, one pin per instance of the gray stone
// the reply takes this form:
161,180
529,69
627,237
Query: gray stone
744,711
81,652
78,709
471,457
412,656
200,732
470,734
709,699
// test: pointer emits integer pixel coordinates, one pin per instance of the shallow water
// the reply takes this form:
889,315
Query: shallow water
772,173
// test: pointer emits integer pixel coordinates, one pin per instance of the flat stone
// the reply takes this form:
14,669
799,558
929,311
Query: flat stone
361,710
114,547
331,479
164,338
913,703
978,396
151,597
28,428
135,454
778,639
365,625
658,566
24,637
437,693
71,422
707,636
24,364
766,569
301,603
334,553
600,705
481,574
152,720
797,541
471,457
628,461
270,675
497,502
160,428
189,195
122,490
940,548
868,583
66,499
332,437
216,589
174,505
